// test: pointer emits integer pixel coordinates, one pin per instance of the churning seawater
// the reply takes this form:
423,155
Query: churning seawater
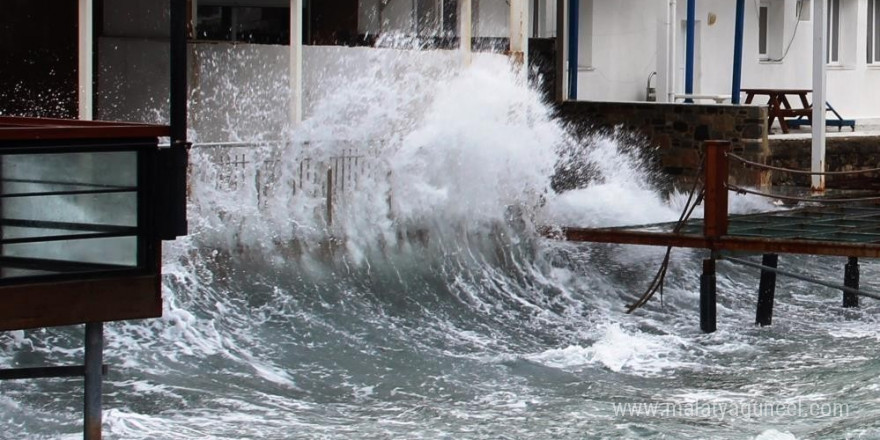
431,307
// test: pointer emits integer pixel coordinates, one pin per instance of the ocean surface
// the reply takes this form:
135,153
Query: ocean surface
430,307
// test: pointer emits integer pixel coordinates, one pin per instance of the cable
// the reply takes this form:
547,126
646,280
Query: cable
846,289
793,171
793,33
658,281
741,190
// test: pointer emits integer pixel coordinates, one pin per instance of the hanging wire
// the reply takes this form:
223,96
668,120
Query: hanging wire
793,171
658,281
741,190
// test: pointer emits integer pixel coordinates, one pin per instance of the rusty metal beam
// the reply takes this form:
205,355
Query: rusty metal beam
723,243
716,174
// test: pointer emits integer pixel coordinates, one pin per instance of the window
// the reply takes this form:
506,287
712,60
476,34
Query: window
763,17
245,24
771,29
873,31
833,52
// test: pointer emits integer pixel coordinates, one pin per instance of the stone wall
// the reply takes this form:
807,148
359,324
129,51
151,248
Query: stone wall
841,153
677,132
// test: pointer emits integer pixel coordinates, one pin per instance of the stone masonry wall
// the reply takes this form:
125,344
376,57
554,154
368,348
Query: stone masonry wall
677,132
841,153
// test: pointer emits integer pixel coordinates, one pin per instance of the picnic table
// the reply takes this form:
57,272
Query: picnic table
778,106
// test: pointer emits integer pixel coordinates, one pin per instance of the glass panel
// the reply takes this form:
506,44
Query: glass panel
68,212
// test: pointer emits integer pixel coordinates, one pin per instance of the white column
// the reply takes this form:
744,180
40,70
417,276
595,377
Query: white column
296,43
85,89
519,31
819,47
673,61
465,30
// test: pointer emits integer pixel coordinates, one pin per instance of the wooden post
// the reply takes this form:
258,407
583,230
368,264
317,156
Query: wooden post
329,196
716,173
708,297
766,291
851,280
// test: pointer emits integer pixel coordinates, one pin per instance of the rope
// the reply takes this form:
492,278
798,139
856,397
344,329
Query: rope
846,289
658,281
741,190
792,171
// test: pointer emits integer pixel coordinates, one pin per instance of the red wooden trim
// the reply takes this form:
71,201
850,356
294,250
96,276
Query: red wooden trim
723,243
17,128
77,302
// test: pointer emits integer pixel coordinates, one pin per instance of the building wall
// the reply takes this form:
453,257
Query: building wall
628,43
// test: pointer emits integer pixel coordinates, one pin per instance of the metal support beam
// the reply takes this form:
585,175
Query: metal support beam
766,290
689,49
85,68
46,372
737,51
466,30
817,164
519,33
851,280
94,357
296,76
708,297
573,46
175,160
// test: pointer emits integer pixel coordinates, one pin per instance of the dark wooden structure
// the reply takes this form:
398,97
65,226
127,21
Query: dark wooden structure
78,238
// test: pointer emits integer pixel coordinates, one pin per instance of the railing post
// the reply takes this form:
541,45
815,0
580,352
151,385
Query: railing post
708,297
766,290
851,280
94,357
716,174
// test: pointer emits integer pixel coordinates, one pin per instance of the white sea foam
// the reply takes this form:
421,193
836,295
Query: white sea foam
619,350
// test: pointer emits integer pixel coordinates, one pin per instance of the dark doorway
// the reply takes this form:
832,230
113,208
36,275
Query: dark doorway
38,58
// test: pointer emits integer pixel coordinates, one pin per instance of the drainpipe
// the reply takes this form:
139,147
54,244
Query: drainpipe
573,36
670,75
738,50
817,185
689,55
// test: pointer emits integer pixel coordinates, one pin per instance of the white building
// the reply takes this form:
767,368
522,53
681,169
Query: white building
622,42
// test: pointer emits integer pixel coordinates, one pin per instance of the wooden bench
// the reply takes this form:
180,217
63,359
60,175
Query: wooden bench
838,122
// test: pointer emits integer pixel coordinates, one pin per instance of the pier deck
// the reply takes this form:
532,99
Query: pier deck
848,231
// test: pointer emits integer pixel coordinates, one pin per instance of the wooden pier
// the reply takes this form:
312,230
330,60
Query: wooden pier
846,227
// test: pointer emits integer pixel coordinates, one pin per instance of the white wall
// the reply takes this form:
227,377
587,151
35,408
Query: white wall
627,45
624,49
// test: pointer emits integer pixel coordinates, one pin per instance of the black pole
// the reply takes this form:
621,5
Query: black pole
175,160
178,72
851,280
708,296
94,357
766,290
